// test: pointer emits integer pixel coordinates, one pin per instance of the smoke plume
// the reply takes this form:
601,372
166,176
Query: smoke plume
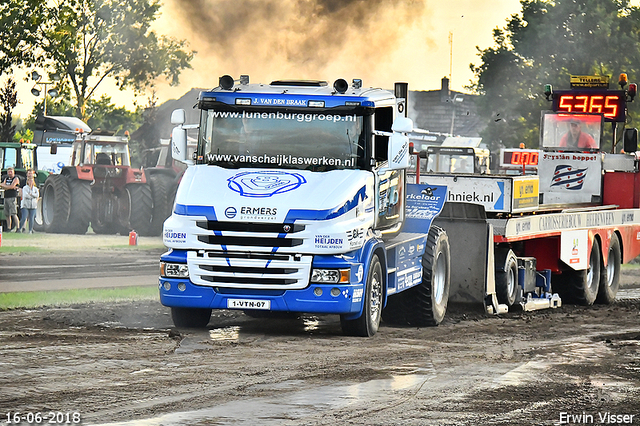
294,38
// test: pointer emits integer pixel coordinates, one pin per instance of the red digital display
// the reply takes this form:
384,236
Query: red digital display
520,157
610,104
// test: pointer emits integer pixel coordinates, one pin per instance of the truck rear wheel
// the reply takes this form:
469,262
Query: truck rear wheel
610,275
581,287
507,282
140,208
79,207
190,317
428,301
56,200
367,324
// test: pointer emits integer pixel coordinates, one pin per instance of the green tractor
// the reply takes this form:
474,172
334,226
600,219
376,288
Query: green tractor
22,157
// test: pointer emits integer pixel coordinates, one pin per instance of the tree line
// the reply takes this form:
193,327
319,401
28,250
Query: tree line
83,43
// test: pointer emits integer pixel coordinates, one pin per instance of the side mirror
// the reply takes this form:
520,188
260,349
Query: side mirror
54,149
179,143
402,124
630,140
398,152
178,116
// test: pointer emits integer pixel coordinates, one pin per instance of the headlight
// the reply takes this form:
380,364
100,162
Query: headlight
330,276
174,270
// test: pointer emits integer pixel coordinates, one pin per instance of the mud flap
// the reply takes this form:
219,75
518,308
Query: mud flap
472,255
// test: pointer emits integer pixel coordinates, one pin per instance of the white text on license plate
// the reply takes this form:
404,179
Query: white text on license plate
248,304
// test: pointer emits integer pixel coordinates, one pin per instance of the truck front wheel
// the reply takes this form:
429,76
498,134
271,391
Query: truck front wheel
190,317
368,323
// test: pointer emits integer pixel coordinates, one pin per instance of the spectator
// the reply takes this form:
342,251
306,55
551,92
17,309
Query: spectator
29,202
11,184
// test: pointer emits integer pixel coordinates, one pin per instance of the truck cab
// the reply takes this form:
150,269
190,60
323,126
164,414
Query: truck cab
294,201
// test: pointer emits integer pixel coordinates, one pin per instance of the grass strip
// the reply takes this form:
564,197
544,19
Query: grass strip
35,299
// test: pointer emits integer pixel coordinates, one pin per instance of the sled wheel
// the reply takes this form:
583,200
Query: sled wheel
56,200
367,324
582,286
190,317
140,208
80,206
610,276
429,300
507,282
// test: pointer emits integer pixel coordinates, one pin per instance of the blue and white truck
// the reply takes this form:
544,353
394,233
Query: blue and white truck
298,199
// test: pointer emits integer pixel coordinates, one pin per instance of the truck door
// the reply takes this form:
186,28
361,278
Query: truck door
390,186
390,201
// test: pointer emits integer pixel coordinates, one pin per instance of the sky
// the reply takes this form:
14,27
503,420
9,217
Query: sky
378,41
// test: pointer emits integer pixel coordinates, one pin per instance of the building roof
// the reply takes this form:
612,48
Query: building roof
437,110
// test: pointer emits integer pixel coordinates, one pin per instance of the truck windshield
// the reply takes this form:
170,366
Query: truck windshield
113,154
447,163
312,141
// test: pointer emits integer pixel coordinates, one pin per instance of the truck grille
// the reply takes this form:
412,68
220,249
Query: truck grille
229,269
263,234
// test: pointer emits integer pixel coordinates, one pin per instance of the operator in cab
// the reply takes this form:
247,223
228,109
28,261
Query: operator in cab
576,138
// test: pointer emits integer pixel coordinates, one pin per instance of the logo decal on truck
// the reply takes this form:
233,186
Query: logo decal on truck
569,177
265,183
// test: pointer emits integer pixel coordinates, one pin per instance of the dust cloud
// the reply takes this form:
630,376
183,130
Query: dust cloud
312,39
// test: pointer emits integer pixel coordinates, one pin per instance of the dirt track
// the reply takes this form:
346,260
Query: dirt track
125,362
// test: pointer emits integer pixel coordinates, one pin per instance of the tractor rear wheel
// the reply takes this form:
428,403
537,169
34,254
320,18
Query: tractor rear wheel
160,185
102,213
56,201
140,208
80,206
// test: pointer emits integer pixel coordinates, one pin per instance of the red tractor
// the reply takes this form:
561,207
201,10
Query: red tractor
100,188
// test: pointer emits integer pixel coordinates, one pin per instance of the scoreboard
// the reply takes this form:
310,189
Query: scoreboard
610,103
517,158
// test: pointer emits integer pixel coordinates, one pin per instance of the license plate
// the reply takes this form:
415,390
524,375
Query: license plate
248,304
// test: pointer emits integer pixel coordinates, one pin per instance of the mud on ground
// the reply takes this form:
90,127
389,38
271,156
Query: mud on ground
125,362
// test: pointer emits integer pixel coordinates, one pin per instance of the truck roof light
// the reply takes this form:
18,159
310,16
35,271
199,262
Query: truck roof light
622,81
244,79
316,104
632,91
357,83
340,85
243,101
226,82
